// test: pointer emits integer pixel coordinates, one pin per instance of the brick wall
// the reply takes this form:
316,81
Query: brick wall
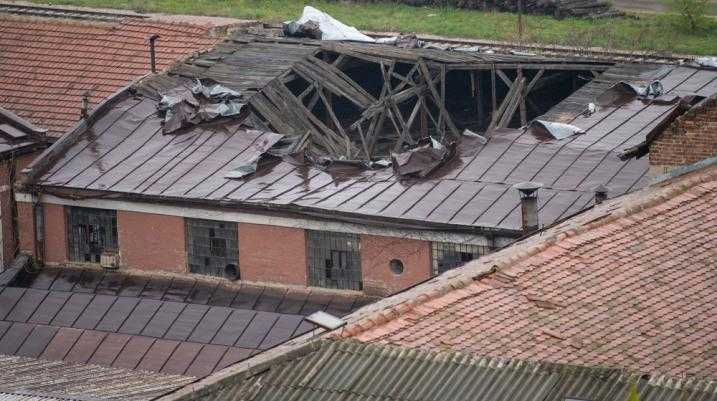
9,242
55,233
151,241
266,253
691,138
376,255
274,254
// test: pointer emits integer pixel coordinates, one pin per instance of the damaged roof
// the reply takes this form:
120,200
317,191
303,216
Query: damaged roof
628,284
50,61
19,136
349,370
128,155
173,329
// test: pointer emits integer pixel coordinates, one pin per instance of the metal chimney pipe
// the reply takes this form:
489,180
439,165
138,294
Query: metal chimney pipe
529,205
152,56
601,193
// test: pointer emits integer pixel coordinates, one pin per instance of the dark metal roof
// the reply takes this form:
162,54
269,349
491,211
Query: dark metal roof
349,370
169,325
18,135
127,154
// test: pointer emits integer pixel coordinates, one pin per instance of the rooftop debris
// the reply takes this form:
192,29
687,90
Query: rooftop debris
423,158
317,24
547,130
623,92
205,101
710,61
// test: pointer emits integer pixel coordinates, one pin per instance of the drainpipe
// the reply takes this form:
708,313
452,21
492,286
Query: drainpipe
529,205
152,56
601,192
39,222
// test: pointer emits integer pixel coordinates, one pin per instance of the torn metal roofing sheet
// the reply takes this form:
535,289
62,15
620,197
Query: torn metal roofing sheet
350,370
48,63
31,379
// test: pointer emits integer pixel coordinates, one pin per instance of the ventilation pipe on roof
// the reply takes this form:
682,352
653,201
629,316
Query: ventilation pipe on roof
152,58
84,108
601,192
529,205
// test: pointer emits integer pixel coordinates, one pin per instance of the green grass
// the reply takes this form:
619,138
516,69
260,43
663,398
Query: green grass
659,33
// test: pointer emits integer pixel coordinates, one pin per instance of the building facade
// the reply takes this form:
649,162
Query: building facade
237,245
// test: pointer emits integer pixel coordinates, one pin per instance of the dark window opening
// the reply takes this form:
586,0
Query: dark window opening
334,260
91,232
396,266
447,255
212,248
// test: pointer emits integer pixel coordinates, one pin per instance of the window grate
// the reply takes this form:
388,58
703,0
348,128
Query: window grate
447,255
212,246
334,260
91,232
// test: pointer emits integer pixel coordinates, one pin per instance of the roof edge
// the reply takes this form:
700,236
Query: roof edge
51,154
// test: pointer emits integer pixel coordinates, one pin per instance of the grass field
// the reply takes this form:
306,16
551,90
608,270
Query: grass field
655,32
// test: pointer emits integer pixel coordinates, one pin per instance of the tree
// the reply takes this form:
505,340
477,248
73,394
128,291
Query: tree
691,11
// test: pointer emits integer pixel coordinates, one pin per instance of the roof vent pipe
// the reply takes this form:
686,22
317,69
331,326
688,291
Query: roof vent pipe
152,56
601,192
85,106
529,205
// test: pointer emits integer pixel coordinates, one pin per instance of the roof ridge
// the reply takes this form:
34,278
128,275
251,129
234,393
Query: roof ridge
461,278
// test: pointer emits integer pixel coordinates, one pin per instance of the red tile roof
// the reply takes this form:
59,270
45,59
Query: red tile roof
629,284
47,63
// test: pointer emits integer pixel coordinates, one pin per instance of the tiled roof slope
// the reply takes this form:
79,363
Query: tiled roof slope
628,284
48,63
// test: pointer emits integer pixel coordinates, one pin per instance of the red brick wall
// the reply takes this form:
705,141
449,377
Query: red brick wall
9,242
691,138
55,233
151,241
274,254
26,229
376,254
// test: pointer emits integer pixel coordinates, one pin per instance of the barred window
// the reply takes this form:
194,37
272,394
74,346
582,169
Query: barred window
91,232
212,248
447,255
334,260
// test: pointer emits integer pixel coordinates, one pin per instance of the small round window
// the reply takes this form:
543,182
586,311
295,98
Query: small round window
396,266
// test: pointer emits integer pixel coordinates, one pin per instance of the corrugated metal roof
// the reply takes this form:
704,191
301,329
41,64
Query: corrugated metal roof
63,380
18,135
349,370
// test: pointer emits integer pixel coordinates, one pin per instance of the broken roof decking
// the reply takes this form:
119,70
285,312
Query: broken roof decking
351,371
176,326
18,136
127,154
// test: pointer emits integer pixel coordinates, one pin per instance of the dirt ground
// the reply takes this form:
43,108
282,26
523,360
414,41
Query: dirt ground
656,6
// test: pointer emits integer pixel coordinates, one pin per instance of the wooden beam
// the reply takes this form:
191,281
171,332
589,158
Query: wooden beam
521,100
437,99
507,117
504,78
533,82
494,100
